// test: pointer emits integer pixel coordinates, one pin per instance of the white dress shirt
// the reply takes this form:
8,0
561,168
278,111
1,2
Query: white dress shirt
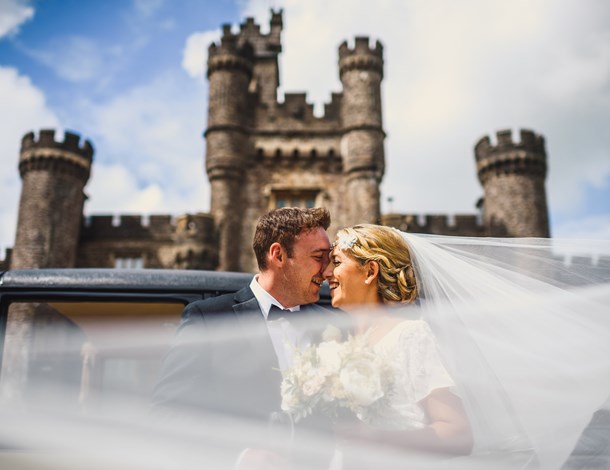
284,335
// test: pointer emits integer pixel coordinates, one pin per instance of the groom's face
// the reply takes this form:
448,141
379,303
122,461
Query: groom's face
303,272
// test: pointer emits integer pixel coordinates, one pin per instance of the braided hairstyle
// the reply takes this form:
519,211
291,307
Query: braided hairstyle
385,245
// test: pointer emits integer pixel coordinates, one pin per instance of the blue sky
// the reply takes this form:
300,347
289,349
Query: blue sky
129,76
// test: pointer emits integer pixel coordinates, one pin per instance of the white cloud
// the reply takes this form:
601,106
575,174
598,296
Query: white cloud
456,71
13,13
195,53
23,109
147,7
75,58
595,227
125,195
149,149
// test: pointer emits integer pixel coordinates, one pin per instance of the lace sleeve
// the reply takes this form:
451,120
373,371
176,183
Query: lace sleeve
425,370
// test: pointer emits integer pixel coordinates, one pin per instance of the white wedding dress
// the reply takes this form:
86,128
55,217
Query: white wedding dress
418,370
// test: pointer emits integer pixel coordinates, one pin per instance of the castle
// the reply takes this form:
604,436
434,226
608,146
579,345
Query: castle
261,154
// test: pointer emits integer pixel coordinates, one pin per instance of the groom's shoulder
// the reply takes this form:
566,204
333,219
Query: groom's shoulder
219,304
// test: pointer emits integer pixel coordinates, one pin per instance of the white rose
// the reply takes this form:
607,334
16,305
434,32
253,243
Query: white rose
361,383
331,333
329,356
289,401
313,385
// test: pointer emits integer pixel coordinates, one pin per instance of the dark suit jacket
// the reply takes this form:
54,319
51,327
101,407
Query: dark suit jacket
223,363
223,360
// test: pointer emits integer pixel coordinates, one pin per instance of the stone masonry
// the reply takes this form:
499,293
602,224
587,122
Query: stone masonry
262,153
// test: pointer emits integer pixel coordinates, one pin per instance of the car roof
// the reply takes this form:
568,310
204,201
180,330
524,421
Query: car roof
123,280
129,280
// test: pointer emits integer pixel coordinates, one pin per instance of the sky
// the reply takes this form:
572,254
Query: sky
129,75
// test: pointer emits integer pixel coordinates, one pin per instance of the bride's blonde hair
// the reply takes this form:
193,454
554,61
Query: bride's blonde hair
385,245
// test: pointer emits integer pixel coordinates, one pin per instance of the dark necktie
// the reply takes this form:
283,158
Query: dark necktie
275,313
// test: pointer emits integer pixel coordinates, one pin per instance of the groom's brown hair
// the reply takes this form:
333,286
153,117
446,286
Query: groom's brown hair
282,226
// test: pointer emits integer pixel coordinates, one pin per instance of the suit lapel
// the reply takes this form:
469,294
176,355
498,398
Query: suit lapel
253,327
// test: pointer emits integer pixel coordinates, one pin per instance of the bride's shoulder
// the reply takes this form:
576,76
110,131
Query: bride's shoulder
407,330
413,325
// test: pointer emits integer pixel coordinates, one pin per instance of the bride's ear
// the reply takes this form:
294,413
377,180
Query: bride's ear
372,271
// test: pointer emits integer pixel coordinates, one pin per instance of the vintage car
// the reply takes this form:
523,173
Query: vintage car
95,331
81,350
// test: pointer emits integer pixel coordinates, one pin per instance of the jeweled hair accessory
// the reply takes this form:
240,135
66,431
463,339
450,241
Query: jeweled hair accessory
345,242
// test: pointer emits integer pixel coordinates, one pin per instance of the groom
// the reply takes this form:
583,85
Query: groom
230,349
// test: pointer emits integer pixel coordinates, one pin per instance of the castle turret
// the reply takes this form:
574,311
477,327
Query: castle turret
512,175
266,48
227,144
54,175
361,72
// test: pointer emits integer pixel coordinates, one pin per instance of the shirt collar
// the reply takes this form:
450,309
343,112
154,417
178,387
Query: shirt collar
266,300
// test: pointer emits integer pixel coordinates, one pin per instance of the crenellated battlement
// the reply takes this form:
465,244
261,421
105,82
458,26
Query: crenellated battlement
309,155
250,36
530,142
361,47
265,45
249,26
295,106
276,18
440,224
509,157
46,140
361,56
230,55
48,154
332,110
200,225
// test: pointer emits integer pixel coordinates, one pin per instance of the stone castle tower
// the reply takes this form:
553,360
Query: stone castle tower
54,175
262,153
512,175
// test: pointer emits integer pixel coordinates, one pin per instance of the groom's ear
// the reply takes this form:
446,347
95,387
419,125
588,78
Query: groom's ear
372,271
276,254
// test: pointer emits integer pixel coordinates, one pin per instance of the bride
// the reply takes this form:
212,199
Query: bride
371,266
500,352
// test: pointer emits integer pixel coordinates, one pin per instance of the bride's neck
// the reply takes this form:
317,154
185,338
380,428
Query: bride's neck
366,316
378,319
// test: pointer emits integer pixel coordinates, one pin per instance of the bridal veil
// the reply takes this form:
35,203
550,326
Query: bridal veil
523,326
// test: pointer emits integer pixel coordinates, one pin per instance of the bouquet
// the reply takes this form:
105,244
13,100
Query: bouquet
334,375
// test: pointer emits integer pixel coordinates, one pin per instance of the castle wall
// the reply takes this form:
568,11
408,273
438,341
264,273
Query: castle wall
295,115
320,176
467,225
189,242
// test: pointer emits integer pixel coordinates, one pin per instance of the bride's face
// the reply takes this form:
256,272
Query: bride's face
347,280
